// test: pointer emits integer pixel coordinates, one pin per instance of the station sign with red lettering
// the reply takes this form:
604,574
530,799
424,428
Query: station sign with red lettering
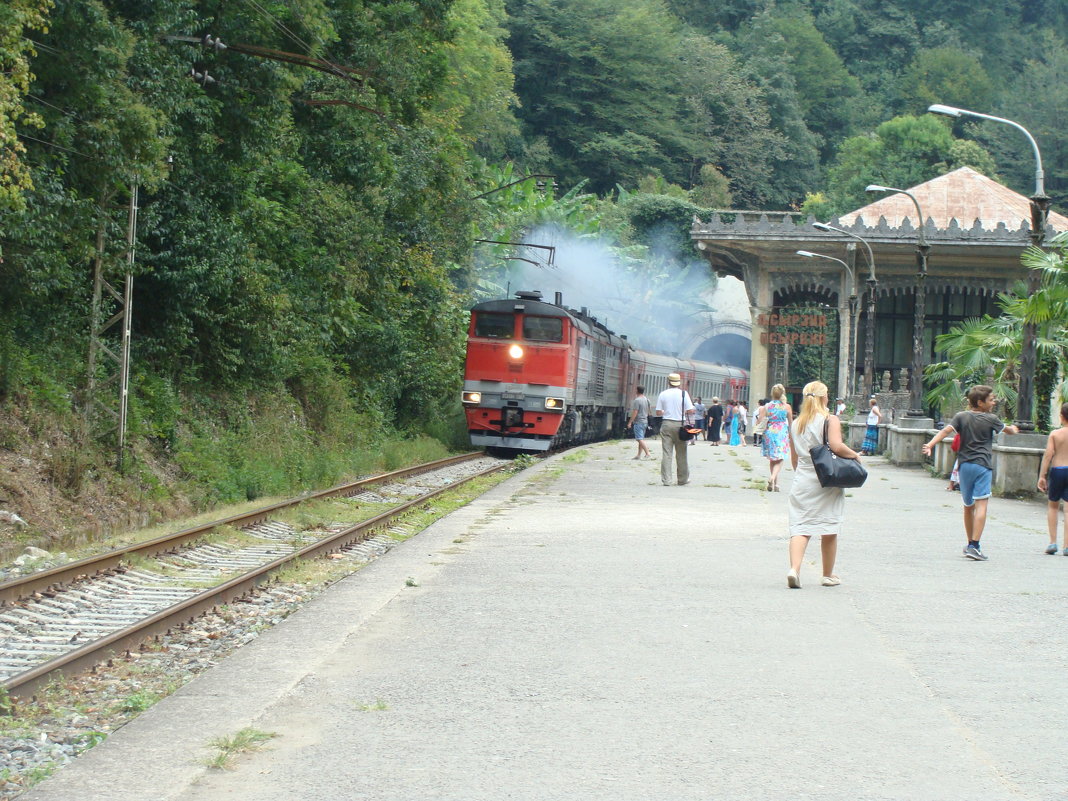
782,329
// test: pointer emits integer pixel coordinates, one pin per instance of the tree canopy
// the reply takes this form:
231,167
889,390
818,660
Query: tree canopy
311,189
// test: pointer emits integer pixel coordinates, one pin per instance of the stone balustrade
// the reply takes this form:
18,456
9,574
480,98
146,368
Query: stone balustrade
1017,457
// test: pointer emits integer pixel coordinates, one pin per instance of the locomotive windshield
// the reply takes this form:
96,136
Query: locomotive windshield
543,329
494,325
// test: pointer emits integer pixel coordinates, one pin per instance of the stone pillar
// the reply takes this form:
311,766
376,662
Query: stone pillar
907,436
759,352
1017,458
845,336
858,427
943,457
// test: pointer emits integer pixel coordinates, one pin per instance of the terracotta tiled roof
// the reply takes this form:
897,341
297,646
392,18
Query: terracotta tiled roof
964,195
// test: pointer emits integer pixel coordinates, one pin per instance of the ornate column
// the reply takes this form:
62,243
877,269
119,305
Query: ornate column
758,288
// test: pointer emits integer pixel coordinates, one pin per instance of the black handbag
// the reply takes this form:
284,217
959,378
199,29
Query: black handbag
833,470
687,430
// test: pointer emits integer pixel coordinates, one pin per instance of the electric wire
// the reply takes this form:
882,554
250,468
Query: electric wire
278,24
58,147
46,48
310,50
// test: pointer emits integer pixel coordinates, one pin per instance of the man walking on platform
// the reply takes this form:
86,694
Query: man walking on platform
674,406
639,419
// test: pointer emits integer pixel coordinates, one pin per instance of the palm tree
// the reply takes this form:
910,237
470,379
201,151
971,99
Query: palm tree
987,349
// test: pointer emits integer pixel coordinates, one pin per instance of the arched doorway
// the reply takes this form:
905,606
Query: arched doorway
726,342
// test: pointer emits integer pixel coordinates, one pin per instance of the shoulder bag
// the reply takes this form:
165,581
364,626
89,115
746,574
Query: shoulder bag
833,470
687,431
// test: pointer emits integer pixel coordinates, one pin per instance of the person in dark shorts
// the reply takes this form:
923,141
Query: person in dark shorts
977,428
1053,480
639,420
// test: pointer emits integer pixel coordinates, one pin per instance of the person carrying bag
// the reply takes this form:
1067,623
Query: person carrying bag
816,509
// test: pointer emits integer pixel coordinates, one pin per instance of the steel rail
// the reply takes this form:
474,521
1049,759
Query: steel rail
187,611
15,589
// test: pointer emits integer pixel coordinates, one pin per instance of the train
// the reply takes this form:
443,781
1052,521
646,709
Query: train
538,376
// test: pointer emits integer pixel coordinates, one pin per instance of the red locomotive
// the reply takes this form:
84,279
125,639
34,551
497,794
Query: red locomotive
539,375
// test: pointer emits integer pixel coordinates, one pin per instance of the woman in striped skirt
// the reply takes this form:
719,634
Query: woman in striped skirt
871,436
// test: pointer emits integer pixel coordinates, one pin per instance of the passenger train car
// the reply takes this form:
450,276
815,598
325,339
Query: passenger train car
539,375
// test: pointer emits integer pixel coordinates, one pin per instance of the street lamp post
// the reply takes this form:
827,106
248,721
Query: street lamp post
873,286
851,357
919,316
1040,204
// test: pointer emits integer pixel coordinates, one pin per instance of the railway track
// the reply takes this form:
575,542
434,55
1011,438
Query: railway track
70,618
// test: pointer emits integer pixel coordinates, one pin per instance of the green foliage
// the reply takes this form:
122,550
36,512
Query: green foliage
596,78
763,51
818,206
478,92
903,152
19,18
827,93
730,113
988,350
238,451
712,189
1035,97
275,239
137,702
227,749
945,75
966,153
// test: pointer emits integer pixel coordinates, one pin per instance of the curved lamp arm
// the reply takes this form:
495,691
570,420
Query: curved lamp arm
915,202
953,111
871,258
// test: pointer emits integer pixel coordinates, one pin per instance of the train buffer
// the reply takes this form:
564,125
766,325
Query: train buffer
583,632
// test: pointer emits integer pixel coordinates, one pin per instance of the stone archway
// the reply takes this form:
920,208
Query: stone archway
726,342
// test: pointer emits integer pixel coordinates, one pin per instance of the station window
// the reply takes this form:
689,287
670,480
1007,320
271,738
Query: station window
494,325
543,329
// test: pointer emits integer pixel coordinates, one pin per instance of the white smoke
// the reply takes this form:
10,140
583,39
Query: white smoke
625,288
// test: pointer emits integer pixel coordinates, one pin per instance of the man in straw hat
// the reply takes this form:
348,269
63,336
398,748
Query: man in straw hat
674,406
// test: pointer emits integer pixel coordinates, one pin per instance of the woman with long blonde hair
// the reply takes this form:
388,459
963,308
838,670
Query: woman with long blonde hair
814,510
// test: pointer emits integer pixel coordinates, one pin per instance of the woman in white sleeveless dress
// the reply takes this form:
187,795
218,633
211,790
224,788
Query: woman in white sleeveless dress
814,510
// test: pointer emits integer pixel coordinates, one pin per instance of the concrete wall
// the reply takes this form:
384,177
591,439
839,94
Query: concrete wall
1017,457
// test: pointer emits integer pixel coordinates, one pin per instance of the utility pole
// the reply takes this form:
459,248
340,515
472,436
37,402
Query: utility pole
113,408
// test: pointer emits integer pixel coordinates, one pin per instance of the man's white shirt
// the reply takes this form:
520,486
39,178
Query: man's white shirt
674,402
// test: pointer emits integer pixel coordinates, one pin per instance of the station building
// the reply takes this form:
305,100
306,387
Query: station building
802,319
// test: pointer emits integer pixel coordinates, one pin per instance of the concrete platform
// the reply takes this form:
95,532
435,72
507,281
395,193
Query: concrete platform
596,635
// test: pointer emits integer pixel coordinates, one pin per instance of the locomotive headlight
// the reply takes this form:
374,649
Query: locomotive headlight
472,397
554,403
515,352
